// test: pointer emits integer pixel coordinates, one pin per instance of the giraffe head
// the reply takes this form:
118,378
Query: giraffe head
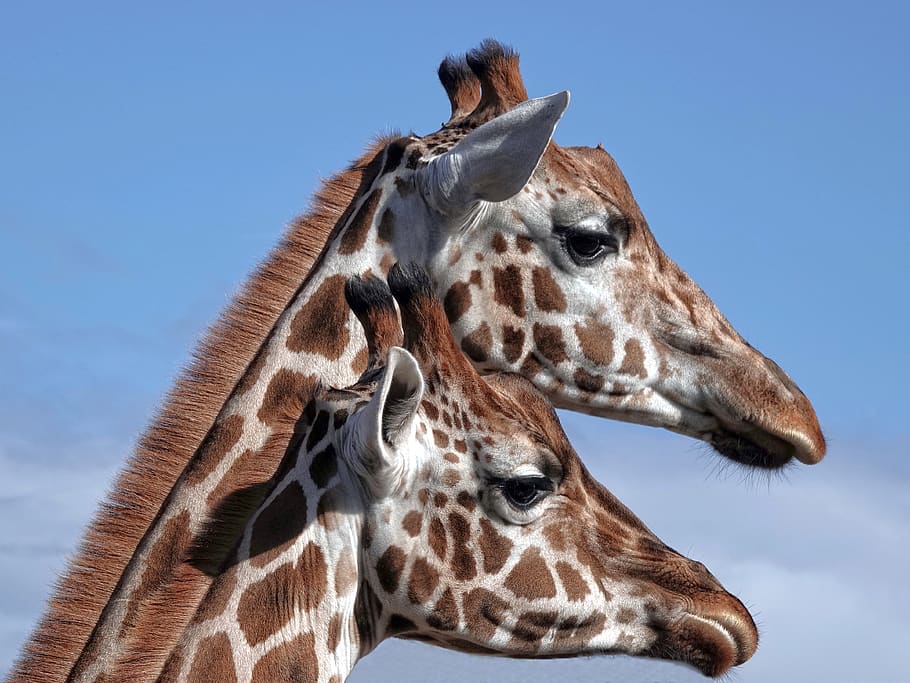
482,529
548,268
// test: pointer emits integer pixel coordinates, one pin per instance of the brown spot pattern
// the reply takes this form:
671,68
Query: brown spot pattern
324,466
457,301
389,568
507,289
499,244
463,564
625,615
283,398
531,578
531,628
312,567
412,523
494,547
437,538
548,340
267,605
556,537
278,525
633,363
162,562
422,582
440,438
430,410
513,342
404,187
172,667
345,573
356,233
587,381
254,370
214,660
574,584
531,366
451,477
333,637
235,477
596,340
479,343
221,439
484,611
327,510
291,661
321,324
466,500
445,614
359,363
387,226
318,430
217,598
547,294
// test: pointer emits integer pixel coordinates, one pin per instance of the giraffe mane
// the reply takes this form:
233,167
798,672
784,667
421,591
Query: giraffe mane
182,424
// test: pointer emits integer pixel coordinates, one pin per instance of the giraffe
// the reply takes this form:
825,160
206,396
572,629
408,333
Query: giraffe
430,503
547,268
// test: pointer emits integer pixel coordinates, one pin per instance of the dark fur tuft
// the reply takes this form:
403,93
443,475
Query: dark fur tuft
408,281
490,51
453,71
366,294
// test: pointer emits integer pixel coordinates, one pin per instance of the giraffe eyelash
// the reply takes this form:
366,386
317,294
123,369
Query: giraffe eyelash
523,493
586,247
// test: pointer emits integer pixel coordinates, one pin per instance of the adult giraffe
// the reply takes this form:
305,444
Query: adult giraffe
431,503
547,267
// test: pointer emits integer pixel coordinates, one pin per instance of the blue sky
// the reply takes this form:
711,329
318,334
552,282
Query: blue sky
149,158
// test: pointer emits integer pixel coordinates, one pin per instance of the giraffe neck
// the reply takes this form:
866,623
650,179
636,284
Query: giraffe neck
315,339
289,605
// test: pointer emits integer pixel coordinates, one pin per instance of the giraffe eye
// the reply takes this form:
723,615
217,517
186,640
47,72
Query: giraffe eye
586,248
524,492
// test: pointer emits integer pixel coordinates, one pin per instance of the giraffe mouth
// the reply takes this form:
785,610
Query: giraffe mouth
713,645
753,448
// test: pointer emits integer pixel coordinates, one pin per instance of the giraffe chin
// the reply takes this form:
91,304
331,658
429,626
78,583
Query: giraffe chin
713,645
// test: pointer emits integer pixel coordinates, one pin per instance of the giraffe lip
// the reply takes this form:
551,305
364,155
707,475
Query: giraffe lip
754,448
712,644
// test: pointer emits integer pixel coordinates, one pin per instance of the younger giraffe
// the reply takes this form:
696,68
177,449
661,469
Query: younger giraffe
429,503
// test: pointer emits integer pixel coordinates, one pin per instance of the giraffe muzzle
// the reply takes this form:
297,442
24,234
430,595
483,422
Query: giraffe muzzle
712,640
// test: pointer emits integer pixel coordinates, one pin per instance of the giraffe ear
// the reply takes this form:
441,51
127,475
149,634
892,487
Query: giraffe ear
495,160
386,425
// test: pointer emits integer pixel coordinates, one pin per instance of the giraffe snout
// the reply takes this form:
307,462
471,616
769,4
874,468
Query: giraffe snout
713,632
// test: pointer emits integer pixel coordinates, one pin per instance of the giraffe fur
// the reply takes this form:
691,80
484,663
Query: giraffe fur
394,519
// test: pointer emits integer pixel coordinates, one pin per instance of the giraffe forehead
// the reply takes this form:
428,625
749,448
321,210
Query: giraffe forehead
590,167
506,430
